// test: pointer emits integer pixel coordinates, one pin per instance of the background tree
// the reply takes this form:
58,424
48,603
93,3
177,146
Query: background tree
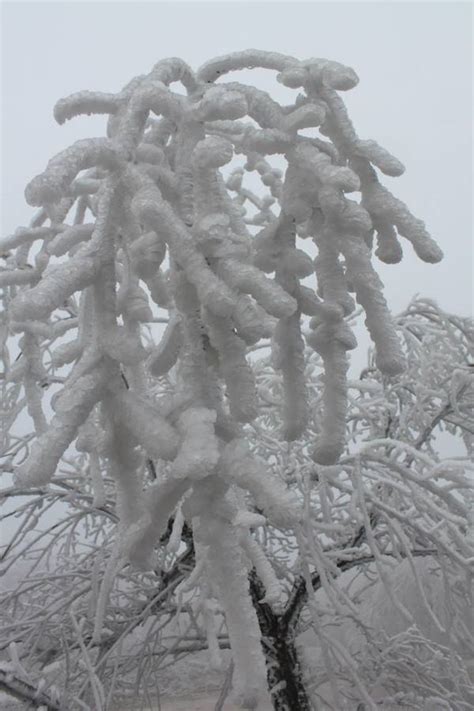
164,424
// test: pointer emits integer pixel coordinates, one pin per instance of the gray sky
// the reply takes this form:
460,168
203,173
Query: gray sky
414,96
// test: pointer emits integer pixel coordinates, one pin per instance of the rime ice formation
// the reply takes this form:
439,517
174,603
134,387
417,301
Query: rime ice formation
153,216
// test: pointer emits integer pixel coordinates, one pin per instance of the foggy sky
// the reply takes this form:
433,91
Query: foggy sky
414,95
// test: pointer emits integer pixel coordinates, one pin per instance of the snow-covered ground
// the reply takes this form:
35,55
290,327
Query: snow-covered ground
199,702
195,702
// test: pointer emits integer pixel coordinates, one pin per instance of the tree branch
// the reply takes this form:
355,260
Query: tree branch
24,691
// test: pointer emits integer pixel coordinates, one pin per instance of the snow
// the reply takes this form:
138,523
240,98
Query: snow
194,702
201,702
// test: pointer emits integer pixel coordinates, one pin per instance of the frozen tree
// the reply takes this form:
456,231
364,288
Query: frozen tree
158,223
417,541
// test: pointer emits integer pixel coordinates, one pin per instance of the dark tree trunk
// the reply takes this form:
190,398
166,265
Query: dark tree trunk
284,675
285,679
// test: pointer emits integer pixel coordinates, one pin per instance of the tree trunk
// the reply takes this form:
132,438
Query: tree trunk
284,675
285,679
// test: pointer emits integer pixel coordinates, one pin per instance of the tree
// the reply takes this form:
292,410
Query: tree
165,437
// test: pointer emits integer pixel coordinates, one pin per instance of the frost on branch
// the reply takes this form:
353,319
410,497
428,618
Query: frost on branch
155,224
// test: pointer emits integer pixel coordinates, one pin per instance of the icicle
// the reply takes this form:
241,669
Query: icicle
250,280
124,464
69,238
206,606
237,373
199,381
333,352
123,346
388,249
132,302
72,408
380,157
50,186
288,356
278,503
146,254
368,287
159,216
34,374
199,453
386,208
57,284
273,588
219,102
144,421
11,277
27,235
246,59
251,321
230,576
288,344
161,499
85,102
331,280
